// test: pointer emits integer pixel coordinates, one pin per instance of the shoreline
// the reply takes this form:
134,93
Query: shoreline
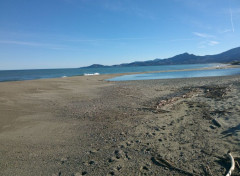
226,66
85,125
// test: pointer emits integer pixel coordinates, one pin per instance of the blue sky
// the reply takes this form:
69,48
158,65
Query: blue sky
74,33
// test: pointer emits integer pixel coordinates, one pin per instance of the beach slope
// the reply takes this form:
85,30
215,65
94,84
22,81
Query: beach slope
88,126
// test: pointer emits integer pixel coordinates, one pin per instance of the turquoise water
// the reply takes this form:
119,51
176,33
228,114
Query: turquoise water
179,74
17,75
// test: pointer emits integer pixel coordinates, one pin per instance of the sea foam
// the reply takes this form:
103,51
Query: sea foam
91,74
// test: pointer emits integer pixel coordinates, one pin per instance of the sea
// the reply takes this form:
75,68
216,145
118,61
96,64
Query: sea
19,75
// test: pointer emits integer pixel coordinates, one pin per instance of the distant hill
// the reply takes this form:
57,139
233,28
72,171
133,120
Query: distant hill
229,56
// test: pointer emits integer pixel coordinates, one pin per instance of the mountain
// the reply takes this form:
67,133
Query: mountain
229,56
95,66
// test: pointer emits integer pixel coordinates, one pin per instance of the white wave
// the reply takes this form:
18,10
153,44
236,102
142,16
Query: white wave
221,66
64,76
91,74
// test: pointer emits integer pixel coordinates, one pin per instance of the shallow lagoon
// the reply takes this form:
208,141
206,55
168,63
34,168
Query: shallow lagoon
179,74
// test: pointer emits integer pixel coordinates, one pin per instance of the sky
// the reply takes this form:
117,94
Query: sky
38,34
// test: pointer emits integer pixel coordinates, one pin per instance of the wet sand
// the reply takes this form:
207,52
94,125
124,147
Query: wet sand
88,126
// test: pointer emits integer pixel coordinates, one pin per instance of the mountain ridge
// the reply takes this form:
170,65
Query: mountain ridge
228,56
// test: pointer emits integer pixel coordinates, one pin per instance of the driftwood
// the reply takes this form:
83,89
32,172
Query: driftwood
216,123
232,164
172,100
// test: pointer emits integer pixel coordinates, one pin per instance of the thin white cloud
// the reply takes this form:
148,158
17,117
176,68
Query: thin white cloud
208,43
231,15
181,39
225,31
107,39
129,39
33,44
203,35
212,43
20,43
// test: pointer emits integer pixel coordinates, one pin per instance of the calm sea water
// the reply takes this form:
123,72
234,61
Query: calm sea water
179,74
16,75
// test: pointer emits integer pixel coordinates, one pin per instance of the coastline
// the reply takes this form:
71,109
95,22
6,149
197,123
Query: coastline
84,125
64,75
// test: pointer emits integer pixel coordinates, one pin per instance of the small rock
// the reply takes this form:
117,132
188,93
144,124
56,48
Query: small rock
122,146
119,168
128,143
212,127
119,154
63,160
138,141
122,133
93,151
91,162
110,160
144,168
84,173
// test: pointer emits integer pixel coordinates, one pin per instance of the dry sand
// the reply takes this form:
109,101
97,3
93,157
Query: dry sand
88,126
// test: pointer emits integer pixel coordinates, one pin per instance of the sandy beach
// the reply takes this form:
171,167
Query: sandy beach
88,126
